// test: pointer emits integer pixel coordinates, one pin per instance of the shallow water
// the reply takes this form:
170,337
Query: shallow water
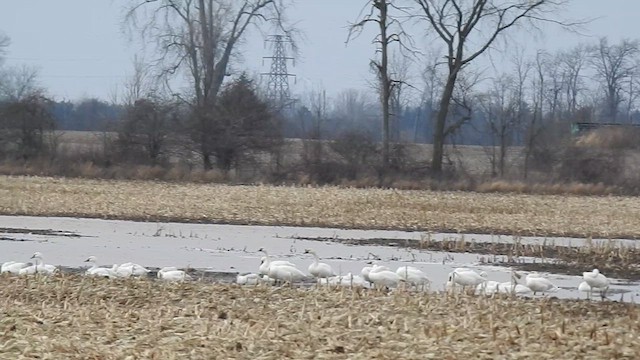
229,249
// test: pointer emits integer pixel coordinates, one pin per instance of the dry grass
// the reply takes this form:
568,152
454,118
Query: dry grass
573,188
465,212
610,138
474,159
87,318
613,259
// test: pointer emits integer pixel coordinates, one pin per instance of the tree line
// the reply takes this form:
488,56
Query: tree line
439,96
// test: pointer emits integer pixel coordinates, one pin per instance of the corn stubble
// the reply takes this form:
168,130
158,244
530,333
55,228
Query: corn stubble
465,212
73,317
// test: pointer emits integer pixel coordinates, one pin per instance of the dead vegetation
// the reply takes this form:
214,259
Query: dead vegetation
457,212
74,317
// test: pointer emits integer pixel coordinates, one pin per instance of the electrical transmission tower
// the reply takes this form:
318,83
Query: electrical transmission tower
278,84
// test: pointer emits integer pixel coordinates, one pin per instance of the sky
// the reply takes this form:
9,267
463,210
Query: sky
80,49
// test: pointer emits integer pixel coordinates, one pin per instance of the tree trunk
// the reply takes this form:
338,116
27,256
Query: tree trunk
503,151
225,159
206,161
441,120
385,83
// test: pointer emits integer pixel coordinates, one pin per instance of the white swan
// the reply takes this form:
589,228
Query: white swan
365,273
265,262
172,274
319,269
512,287
595,280
450,285
382,276
467,277
488,287
38,267
286,273
586,288
13,267
413,276
131,269
367,269
248,279
94,270
538,283
348,280
121,271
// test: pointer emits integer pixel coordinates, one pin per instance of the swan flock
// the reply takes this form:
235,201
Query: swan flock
374,276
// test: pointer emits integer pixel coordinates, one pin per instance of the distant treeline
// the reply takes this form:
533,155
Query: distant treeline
86,115
413,124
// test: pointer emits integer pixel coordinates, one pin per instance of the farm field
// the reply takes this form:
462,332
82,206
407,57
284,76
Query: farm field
75,317
429,211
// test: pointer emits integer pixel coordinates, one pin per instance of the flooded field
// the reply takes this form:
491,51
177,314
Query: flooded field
220,252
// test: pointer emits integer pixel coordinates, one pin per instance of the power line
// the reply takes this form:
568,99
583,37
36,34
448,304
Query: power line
57,60
83,76
278,83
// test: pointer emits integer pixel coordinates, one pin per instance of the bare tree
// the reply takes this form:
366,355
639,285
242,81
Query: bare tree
26,125
468,29
521,69
389,31
573,63
500,108
354,110
198,38
19,82
145,130
4,43
431,77
399,69
140,84
555,85
614,66
633,92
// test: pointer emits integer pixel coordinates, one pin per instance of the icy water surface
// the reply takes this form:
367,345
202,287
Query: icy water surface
225,250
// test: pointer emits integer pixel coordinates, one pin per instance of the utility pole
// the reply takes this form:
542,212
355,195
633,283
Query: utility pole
278,85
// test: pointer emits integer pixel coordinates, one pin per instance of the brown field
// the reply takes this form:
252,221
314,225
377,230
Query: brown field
71,317
429,211
74,317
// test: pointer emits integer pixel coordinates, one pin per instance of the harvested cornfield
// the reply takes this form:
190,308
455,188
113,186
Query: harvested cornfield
72,317
463,212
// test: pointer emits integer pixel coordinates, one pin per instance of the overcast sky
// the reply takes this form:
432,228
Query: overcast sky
80,50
